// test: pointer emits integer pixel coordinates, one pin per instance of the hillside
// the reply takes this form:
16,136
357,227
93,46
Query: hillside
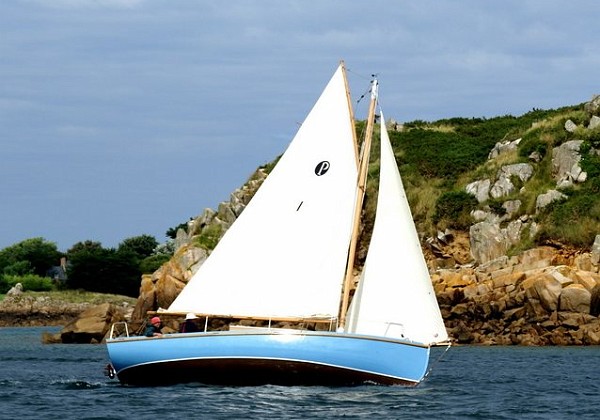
508,212
461,171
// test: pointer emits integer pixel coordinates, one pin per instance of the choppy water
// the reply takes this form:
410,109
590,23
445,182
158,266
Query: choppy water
67,382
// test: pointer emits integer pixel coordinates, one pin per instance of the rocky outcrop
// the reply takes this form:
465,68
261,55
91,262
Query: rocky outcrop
480,189
16,290
90,327
543,296
496,230
160,289
593,106
565,164
549,197
21,310
504,184
504,147
529,300
570,126
595,255
488,241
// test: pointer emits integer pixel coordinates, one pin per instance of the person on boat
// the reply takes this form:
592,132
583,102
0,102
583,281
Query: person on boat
154,329
189,325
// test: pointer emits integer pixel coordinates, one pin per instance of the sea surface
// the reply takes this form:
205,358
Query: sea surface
67,382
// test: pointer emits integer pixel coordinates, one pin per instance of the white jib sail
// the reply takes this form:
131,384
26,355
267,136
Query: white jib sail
285,255
395,297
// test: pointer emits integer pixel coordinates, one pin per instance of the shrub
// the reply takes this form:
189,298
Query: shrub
591,164
172,232
524,244
416,124
531,142
496,207
19,268
142,246
209,237
593,138
152,263
575,221
454,208
30,282
440,154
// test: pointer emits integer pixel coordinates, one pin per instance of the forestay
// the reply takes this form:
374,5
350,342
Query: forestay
285,255
395,297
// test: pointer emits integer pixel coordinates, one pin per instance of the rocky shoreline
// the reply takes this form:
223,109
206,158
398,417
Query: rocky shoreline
23,318
85,322
27,311
541,297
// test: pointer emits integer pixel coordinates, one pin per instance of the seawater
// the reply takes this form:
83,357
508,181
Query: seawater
67,382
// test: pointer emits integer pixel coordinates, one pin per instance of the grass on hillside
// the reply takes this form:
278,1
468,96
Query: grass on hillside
438,159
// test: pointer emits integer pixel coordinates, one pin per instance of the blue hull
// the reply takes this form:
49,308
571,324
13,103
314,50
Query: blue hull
293,357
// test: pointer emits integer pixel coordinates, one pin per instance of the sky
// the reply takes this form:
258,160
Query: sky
121,118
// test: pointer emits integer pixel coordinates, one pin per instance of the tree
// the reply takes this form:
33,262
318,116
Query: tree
104,270
172,232
31,256
85,245
143,246
152,263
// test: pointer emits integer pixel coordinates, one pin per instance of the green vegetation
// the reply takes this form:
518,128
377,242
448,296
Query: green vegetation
28,262
31,282
438,159
172,232
31,256
453,210
574,221
35,263
435,154
209,237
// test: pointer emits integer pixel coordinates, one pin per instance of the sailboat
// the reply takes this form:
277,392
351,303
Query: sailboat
287,264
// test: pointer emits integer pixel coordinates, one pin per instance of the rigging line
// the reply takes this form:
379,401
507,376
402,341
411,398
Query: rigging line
374,77
437,361
361,97
361,76
358,74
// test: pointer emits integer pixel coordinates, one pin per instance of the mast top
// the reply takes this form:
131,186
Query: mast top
374,88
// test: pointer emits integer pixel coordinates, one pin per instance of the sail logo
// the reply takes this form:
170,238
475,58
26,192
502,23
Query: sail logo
322,168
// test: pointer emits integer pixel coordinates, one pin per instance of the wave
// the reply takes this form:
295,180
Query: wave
76,384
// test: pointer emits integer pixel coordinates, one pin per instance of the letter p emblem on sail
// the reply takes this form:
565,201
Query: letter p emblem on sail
322,168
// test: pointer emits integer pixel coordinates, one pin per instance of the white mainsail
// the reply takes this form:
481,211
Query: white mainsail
286,253
395,297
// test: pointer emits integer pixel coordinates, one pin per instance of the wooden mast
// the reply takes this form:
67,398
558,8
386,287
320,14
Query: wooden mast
360,194
351,112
